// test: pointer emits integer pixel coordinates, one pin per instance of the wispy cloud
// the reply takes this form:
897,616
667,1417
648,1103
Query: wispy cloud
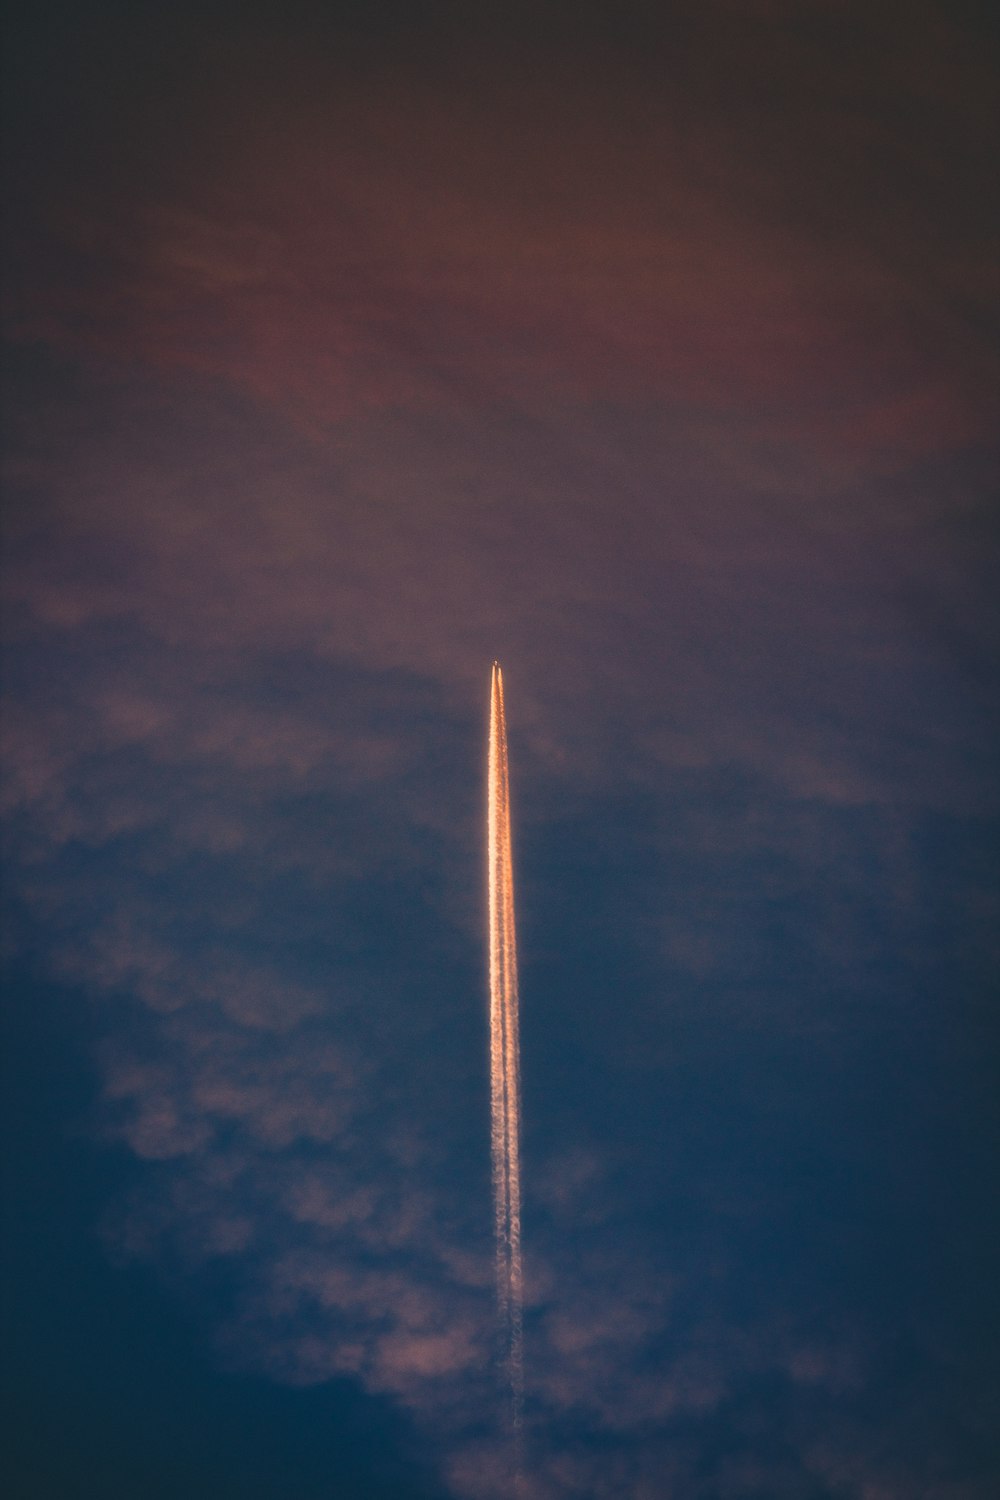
690,430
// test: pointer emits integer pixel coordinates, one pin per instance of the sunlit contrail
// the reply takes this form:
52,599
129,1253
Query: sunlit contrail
505,1070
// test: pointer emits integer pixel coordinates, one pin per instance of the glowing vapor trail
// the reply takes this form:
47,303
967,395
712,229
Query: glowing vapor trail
505,1066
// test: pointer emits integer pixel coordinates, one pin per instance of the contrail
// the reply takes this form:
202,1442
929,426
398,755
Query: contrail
505,1066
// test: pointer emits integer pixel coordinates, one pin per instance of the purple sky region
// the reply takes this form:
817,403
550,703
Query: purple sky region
650,349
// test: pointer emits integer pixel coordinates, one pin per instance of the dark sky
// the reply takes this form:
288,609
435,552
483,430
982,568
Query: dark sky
650,348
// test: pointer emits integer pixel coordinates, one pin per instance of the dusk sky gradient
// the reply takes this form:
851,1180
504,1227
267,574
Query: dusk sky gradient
650,348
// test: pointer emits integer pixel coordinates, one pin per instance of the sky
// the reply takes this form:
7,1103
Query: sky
650,348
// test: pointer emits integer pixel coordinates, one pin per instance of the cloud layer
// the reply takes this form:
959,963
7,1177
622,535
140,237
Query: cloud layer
673,398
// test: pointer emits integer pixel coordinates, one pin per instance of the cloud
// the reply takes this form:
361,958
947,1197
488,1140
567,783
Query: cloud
265,753
646,392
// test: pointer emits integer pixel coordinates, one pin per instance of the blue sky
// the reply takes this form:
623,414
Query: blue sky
650,354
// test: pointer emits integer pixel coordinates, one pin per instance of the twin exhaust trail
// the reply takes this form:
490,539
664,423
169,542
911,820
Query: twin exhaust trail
505,1067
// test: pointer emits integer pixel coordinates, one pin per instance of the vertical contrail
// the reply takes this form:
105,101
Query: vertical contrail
505,1069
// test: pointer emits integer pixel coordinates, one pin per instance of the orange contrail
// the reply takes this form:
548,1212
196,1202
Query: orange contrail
505,1068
